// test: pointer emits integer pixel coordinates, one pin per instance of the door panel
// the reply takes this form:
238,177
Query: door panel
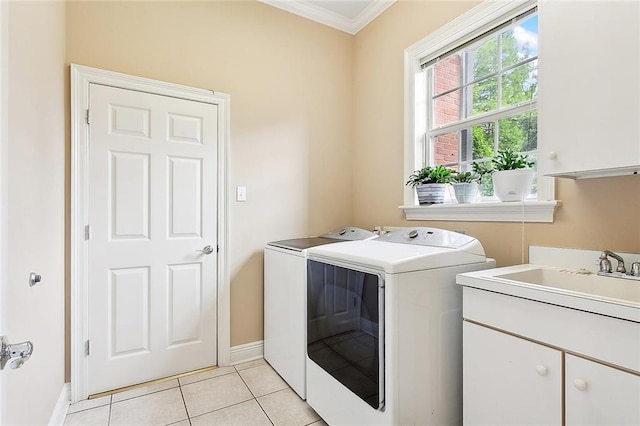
129,195
185,197
185,301
152,207
129,311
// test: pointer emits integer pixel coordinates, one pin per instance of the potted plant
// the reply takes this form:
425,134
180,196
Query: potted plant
511,174
465,186
430,183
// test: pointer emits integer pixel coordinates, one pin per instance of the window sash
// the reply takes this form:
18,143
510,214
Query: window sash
432,131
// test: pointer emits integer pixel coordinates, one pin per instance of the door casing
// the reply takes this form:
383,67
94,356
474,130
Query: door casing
81,78
4,149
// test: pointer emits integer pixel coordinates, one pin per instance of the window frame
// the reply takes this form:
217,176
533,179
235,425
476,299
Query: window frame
461,30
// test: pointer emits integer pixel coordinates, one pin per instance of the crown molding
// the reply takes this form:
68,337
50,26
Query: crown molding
318,14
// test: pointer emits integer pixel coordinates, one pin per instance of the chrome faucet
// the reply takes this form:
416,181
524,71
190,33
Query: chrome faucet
621,271
605,263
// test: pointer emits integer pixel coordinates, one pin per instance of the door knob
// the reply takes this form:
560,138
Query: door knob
206,250
34,279
16,354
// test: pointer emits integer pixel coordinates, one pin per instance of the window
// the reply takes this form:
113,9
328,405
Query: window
482,98
472,90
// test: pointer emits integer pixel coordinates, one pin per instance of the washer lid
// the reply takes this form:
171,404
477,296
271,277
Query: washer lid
431,251
299,244
349,233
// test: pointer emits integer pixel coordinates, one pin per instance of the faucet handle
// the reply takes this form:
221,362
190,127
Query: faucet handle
635,269
605,265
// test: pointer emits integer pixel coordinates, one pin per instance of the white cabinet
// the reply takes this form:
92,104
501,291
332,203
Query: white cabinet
508,380
600,395
529,362
589,88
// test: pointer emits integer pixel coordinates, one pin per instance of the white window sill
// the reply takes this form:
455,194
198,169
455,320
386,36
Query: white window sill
527,211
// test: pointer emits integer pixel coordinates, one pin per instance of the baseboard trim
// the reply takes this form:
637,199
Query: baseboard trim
246,352
62,406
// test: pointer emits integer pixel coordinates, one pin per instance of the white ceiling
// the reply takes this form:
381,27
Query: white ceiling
346,15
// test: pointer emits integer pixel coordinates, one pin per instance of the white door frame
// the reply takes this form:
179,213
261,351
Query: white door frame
81,78
4,163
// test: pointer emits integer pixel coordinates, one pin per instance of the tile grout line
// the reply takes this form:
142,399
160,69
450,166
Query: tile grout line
221,408
254,397
186,410
110,402
144,394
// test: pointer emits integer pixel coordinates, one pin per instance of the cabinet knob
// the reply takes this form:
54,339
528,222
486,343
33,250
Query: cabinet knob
580,384
552,155
541,370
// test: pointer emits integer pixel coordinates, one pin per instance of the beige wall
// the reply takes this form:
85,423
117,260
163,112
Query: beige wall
595,214
291,112
35,208
316,125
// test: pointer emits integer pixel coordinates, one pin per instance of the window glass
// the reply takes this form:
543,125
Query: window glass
447,74
484,95
519,132
520,43
485,59
520,84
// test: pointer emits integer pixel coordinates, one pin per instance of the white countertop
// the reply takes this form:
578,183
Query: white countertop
575,289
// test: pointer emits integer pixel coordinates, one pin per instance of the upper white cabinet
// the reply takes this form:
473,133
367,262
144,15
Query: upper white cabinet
589,88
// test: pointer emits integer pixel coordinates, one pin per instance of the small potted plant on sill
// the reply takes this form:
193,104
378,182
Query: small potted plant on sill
430,183
511,173
465,186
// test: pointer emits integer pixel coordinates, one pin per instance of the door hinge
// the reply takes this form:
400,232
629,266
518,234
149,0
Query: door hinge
87,232
87,348
217,249
88,117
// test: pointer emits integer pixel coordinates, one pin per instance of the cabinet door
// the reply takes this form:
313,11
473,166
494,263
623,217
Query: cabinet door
600,395
508,380
589,99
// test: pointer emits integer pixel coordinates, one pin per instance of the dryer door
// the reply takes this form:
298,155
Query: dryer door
345,327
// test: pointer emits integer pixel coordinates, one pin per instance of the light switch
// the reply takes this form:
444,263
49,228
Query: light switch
241,193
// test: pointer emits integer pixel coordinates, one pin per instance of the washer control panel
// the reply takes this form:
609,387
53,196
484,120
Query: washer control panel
350,233
423,236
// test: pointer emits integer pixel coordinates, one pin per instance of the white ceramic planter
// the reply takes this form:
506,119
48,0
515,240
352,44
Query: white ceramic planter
512,185
466,192
431,193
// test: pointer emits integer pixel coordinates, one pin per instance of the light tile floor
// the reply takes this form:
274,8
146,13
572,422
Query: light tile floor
246,394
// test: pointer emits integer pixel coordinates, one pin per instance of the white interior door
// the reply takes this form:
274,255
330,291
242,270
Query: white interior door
152,211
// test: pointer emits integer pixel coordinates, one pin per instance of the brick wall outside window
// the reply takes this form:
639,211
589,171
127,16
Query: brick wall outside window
447,108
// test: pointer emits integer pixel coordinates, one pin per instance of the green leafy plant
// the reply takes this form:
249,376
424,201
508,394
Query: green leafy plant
465,177
438,174
507,159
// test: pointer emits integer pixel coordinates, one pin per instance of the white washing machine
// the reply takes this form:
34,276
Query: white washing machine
384,327
285,275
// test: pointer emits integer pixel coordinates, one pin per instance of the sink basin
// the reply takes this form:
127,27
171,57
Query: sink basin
577,283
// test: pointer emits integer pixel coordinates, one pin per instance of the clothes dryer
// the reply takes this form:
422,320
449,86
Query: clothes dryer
384,327
285,274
